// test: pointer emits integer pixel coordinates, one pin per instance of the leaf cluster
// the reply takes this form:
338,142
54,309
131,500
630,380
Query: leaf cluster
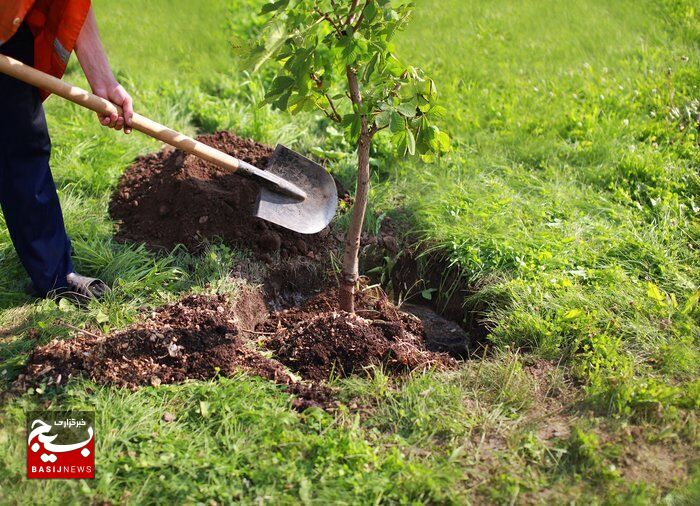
337,56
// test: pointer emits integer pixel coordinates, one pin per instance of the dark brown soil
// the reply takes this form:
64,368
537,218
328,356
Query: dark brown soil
171,198
198,337
318,341
203,336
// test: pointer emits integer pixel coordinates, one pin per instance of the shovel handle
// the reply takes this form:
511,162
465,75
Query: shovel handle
79,96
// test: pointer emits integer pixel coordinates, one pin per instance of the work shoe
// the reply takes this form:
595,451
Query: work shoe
84,288
80,289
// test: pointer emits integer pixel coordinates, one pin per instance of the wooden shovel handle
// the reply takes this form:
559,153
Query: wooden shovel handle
46,82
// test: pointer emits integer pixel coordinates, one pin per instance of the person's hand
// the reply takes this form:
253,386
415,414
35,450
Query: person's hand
93,60
116,94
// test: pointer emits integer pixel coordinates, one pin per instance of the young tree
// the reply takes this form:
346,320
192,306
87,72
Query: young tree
336,56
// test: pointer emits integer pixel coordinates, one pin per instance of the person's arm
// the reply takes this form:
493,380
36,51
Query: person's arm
93,60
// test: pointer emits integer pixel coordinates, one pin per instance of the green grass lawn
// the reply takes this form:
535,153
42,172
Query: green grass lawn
569,207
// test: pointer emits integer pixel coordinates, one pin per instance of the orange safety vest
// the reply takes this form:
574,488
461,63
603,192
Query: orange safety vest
55,24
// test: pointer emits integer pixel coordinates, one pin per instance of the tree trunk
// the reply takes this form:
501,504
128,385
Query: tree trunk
351,252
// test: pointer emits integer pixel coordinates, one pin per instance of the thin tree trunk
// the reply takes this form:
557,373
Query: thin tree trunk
352,239
351,252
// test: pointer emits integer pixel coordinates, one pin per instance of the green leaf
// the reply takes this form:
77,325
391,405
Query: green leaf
655,294
274,38
423,104
383,119
408,109
301,103
691,303
370,12
411,142
405,142
279,85
444,143
407,92
425,87
100,317
65,305
347,120
354,124
437,112
397,123
281,102
273,6
572,314
401,141
369,69
394,67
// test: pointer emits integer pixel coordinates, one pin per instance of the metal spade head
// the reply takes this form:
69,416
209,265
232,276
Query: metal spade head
307,216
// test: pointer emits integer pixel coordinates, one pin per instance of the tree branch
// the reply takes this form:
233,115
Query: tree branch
327,17
336,10
351,12
335,116
373,129
362,15
329,115
338,118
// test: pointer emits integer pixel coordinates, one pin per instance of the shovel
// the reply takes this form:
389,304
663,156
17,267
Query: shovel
295,193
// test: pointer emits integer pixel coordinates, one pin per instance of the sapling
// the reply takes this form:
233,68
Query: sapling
336,56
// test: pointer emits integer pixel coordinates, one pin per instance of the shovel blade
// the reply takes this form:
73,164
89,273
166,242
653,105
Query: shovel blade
307,216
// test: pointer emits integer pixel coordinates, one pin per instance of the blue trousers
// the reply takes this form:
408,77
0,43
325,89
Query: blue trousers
27,191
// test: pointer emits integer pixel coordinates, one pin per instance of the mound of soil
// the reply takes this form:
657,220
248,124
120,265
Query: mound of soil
195,338
203,336
318,341
171,198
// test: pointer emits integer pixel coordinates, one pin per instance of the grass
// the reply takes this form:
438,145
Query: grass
574,183
569,205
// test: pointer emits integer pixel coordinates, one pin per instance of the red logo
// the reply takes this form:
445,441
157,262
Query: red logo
60,444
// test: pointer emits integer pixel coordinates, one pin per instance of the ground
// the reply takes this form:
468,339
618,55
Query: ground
566,220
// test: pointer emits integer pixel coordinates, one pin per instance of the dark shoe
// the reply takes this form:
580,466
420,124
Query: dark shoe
80,289
89,288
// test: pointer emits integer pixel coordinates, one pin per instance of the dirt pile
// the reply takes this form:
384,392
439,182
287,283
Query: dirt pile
203,336
171,198
318,341
198,337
